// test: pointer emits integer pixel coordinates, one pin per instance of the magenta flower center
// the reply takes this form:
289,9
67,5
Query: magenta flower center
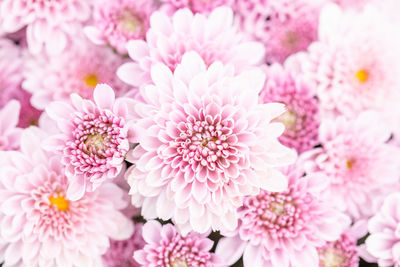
206,142
277,215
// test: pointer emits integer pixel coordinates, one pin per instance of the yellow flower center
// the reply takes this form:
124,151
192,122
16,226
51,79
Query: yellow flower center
331,258
290,40
60,202
95,141
362,76
177,262
91,80
350,163
129,21
289,119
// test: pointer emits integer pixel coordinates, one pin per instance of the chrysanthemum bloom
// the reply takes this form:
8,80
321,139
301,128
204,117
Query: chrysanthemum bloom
355,64
301,119
9,133
213,37
284,229
77,70
283,26
40,227
120,253
197,6
384,240
117,22
205,143
49,23
94,138
360,164
344,251
165,246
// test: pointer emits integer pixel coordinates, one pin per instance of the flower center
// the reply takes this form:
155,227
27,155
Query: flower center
60,202
290,40
289,119
330,257
177,262
91,80
362,76
130,22
95,142
350,164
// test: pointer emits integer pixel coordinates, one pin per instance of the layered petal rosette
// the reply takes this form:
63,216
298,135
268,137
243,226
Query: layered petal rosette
205,143
285,229
40,227
94,138
213,37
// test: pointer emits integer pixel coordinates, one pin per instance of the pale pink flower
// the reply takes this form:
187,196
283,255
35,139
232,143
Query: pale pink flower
343,252
213,37
40,227
196,6
283,26
94,138
9,133
165,246
49,23
284,229
78,70
355,64
361,166
384,239
120,253
205,143
301,119
117,22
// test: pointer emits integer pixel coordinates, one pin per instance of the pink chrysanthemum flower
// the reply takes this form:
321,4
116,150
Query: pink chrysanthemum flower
344,251
166,247
77,70
355,64
9,133
284,229
94,138
301,119
117,22
283,26
40,226
360,164
213,37
205,143
49,23
120,253
384,239
196,6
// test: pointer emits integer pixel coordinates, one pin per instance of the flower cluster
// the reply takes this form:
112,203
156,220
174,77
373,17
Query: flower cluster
199,133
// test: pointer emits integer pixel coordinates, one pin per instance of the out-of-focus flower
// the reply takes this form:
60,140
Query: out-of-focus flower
384,239
120,253
355,64
213,37
284,229
78,70
283,26
50,24
361,166
9,133
117,22
94,138
42,227
205,143
166,247
301,119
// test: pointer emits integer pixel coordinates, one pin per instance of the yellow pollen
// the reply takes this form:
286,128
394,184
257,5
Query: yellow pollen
130,22
91,80
60,202
289,119
331,258
278,208
350,163
362,76
177,262
95,141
